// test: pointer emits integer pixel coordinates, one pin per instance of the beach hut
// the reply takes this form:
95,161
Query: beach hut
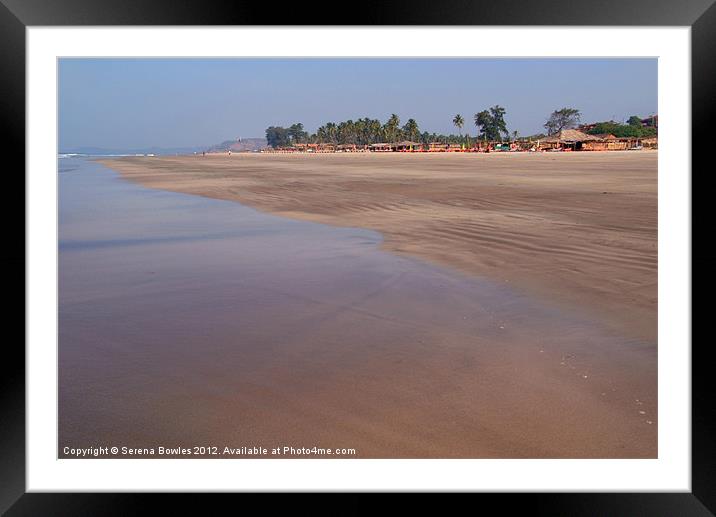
437,147
606,142
407,145
480,146
568,139
650,143
380,147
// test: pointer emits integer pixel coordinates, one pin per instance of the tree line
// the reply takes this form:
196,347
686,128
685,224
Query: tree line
490,124
632,129
366,131
568,118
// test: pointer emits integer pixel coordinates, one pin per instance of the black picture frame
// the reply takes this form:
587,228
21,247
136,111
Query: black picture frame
16,15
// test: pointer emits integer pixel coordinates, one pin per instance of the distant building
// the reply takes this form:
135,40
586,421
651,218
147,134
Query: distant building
586,128
652,121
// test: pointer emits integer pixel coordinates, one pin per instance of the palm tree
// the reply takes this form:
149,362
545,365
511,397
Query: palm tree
391,127
331,131
376,130
411,130
458,122
346,132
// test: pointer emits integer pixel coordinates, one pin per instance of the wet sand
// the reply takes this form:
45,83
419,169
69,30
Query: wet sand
187,321
579,229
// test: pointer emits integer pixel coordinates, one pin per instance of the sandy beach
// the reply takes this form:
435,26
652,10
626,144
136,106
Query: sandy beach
511,312
576,229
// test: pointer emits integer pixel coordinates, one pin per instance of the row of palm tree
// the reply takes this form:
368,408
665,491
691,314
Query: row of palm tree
367,131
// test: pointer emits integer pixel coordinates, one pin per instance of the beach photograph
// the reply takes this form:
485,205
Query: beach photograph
357,258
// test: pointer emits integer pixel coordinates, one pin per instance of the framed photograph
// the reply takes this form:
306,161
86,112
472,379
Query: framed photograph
435,250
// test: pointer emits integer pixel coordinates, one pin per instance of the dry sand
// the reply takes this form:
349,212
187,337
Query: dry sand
577,229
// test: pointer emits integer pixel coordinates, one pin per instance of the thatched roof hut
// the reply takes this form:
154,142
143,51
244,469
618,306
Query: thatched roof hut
406,145
570,136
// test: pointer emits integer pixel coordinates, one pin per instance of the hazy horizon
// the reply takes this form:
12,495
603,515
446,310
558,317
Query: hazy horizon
174,103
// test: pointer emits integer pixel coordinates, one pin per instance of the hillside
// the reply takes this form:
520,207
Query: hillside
245,144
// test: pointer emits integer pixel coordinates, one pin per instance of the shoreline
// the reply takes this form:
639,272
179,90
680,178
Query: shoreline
577,229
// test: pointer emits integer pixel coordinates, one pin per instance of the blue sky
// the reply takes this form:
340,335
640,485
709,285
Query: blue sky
134,103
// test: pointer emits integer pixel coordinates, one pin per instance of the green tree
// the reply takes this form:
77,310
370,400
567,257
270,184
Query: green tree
277,136
332,132
623,130
391,128
411,131
491,123
565,118
634,121
618,130
376,130
297,134
498,121
328,133
458,122
482,122
347,132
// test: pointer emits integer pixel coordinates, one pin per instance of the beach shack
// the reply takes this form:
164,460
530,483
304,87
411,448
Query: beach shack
305,148
437,147
568,140
284,150
650,143
380,147
407,146
607,142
